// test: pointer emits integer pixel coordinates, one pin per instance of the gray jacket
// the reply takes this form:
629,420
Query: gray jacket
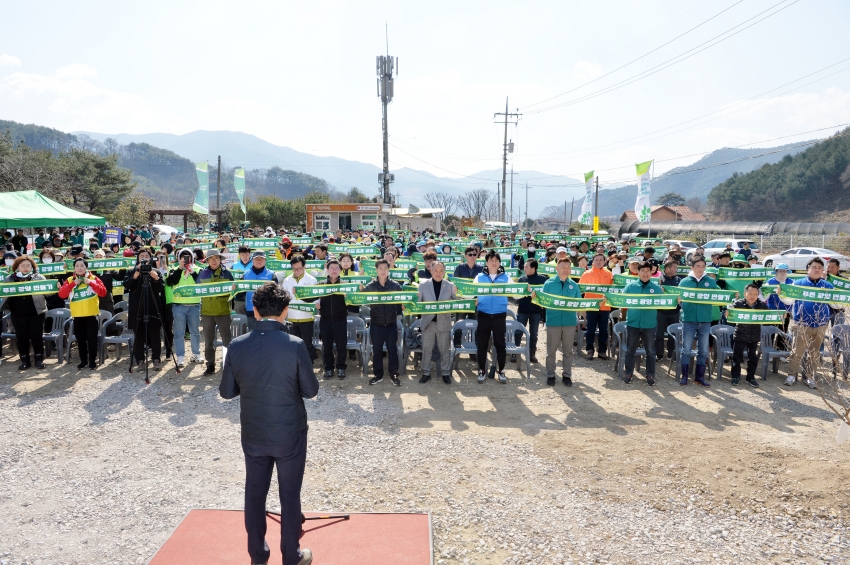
448,291
38,299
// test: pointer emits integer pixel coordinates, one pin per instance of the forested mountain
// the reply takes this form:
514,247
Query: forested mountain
161,174
696,180
810,183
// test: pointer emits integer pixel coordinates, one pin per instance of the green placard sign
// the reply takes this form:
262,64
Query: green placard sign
642,301
814,294
554,302
354,250
623,280
714,297
602,288
748,316
442,307
261,242
303,307
28,288
204,290
360,279
490,289
51,268
750,274
248,286
317,291
369,298
839,282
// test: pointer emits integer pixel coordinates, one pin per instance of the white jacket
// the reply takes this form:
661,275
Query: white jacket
289,284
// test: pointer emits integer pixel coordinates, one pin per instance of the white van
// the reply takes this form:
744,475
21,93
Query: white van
499,226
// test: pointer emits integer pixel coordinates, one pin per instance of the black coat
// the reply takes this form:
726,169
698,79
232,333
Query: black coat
383,314
272,372
750,333
332,307
134,288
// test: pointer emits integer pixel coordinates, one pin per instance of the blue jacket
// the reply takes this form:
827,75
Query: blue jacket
464,272
773,301
492,304
811,314
250,275
639,317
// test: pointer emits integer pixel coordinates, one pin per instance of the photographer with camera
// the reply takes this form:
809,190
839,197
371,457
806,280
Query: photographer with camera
85,291
145,272
185,311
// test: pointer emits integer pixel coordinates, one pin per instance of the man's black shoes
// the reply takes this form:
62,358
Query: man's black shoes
210,370
394,379
447,379
329,374
424,379
340,373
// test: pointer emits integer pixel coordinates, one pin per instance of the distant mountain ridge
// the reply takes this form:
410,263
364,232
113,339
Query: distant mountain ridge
696,180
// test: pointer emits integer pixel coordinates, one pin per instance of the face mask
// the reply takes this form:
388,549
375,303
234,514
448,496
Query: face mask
47,260
531,248
573,253
9,262
20,275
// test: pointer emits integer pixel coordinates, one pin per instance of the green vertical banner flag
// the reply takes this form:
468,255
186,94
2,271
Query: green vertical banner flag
202,198
239,186
643,208
587,206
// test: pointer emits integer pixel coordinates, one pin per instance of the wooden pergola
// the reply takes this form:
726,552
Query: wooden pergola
152,215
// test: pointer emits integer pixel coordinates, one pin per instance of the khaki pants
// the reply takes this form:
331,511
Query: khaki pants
560,337
443,340
806,340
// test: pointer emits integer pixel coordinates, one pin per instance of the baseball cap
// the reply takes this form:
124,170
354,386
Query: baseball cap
213,253
256,254
781,267
561,250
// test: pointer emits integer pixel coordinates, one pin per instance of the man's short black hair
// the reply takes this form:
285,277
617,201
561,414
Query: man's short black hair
644,265
751,285
244,249
724,254
492,255
380,262
471,249
532,263
322,246
697,259
815,260
668,263
298,259
271,299
833,260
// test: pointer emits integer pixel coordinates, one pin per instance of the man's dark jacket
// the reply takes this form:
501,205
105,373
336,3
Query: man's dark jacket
332,307
524,305
272,372
749,333
383,314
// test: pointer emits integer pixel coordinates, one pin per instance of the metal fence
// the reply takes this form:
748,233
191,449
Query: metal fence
771,244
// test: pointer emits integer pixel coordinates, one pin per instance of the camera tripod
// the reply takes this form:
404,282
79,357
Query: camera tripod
144,315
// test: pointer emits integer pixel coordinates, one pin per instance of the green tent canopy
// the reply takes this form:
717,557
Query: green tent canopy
31,209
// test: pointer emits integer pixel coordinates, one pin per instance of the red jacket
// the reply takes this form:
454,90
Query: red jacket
94,283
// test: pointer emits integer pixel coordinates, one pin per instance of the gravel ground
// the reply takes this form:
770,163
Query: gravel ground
99,468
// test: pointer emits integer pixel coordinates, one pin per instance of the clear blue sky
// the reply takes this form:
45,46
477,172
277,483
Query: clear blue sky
302,74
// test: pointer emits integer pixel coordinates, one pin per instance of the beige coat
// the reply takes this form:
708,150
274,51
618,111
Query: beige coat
448,291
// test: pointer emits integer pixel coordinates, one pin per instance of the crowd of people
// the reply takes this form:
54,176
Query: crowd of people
552,265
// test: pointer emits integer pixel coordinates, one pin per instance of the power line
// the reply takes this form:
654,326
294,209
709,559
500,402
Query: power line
639,58
724,109
668,63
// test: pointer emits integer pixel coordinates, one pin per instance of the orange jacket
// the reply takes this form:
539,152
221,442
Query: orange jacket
597,276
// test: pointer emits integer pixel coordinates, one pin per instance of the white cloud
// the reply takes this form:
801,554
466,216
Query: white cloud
587,70
9,61
68,100
76,71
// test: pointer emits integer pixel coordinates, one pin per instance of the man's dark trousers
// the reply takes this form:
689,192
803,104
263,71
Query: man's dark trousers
597,320
259,462
380,336
666,318
334,333
304,330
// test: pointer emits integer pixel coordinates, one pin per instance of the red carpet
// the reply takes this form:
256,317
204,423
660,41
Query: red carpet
217,537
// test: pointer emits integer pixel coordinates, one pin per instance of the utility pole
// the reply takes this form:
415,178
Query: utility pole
218,191
525,225
572,207
596,208
385,66
506,148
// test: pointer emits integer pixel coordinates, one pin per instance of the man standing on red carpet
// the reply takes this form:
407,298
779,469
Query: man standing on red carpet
272,372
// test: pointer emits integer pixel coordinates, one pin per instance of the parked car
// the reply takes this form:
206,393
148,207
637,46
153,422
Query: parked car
737,246
797,257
